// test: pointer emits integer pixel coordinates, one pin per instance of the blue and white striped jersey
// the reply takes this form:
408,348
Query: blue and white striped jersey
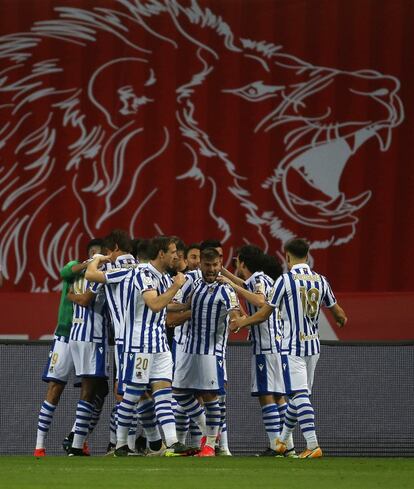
117,279
299,295
210,305
266,336
180,332
144,329
89,323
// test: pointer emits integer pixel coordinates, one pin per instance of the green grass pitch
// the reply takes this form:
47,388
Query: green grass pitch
221,472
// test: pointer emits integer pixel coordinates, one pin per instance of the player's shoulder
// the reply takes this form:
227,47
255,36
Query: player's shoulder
193,274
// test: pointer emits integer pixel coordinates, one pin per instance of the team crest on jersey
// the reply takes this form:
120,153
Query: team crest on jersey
233,299
261,366
270,294
147,281
259,288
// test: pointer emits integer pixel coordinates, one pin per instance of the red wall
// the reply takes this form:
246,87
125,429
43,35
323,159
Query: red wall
245,120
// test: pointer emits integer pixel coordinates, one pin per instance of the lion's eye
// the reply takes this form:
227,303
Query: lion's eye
256,91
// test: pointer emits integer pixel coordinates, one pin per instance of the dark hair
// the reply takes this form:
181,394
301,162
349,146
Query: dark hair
298,247
120,238
251,256
192,246
210,243
179,243
159,243
140,249
94,242
271,266
209,254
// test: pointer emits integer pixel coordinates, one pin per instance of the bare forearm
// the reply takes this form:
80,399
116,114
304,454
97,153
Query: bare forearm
93,274
261,315
234,278
176,318
257,300
339,315
80,299
157,304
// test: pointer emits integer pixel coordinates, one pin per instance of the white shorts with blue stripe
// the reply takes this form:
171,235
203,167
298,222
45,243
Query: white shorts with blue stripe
90,359
147,368
299,372
199,373
267,377
60,363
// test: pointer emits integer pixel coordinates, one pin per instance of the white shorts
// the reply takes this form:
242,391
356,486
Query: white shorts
147,368
267,377
60,363
200,373
298,373
90,359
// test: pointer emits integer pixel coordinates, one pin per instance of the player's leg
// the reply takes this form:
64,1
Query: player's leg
182,419
56,373
148,420
282,406
213,418
160,378
90,361
186,381
47,410
223,444
195,435
135,383
213,370
299,378
306,415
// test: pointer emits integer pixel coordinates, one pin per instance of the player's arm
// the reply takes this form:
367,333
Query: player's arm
234,278
178,317
81,299
71,269
338,314
261,315
256,299
92,273
157,302
177,307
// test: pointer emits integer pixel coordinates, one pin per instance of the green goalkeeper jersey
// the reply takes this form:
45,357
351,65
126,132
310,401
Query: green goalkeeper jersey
66,306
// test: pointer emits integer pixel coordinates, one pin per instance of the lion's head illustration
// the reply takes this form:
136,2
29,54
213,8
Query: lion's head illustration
104,109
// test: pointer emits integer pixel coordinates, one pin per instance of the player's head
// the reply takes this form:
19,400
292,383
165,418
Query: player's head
192,256
118,243
180,263
94,246
140,249
249,260
296,251
213,243
210,264
271,266
163,251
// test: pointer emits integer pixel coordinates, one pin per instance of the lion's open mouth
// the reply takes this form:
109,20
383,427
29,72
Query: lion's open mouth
316,174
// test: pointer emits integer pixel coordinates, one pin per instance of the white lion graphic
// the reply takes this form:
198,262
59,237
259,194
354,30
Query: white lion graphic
102,110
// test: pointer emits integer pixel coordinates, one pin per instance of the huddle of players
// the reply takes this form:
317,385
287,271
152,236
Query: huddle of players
202,306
